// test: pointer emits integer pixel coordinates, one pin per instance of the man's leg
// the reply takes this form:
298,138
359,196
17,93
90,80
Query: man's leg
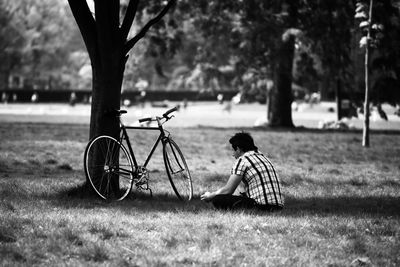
227,202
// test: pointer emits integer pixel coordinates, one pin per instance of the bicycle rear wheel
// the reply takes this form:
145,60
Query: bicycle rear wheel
177,170
108,167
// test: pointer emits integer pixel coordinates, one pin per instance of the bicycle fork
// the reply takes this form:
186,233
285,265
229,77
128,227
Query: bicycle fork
180,168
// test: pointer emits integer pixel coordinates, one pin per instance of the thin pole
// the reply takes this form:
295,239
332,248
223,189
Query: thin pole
365,141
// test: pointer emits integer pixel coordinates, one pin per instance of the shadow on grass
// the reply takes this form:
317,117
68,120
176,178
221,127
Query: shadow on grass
324,206
344,205
81,197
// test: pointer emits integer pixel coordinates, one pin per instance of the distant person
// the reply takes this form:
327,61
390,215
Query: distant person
228,107
397,112
35,97
307,98
4,97
256,172
237,98
72,99
381,112
185,103
315,98
220,98
142,98
85,99
126,102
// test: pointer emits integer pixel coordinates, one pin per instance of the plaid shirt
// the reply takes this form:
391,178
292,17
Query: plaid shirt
259,177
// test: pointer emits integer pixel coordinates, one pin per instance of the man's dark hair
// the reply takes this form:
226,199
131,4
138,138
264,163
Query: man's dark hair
244,141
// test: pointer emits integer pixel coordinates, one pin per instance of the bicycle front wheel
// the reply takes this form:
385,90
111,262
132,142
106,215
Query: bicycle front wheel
177,170
108,167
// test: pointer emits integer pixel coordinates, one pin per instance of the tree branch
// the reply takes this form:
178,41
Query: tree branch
129,18
86,23
131,43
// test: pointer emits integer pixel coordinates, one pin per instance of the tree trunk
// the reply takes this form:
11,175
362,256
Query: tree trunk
107,55
339,99
280,111
106,41
365,140
106,96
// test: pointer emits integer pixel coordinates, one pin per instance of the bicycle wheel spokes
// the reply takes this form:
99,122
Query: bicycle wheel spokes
177,170
108,167
180,179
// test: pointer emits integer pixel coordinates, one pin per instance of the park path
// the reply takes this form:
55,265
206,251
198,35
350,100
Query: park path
196,114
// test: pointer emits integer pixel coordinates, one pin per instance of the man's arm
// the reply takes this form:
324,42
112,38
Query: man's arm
229,188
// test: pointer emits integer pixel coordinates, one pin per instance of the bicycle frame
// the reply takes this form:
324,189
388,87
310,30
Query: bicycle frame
124,135
112,168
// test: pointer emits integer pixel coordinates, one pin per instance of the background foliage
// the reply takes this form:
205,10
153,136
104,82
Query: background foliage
208,45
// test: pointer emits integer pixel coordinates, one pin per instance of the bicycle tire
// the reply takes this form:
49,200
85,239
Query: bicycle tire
177,170
112,175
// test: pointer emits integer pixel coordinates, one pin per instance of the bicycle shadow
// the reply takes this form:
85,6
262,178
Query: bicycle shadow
350,206
80,197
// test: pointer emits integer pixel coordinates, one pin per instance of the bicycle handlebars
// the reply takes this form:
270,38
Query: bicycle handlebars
145,119
165,115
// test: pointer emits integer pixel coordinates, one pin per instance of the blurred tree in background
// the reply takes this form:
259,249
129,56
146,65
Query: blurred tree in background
11,41
37,40
214,46
385,56
248,45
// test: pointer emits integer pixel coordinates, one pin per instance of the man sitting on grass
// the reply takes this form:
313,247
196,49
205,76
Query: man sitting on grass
258,175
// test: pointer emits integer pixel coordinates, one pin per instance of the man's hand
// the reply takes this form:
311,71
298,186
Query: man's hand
207,196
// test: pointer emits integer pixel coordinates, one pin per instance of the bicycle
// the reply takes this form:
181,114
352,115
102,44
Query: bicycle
112,169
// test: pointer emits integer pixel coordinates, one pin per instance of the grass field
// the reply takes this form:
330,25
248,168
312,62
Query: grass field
342,203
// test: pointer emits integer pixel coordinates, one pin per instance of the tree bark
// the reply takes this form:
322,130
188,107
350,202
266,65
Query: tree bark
107,62
280,111
106,95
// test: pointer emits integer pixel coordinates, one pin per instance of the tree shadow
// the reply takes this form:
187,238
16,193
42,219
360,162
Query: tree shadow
349,206
80,197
